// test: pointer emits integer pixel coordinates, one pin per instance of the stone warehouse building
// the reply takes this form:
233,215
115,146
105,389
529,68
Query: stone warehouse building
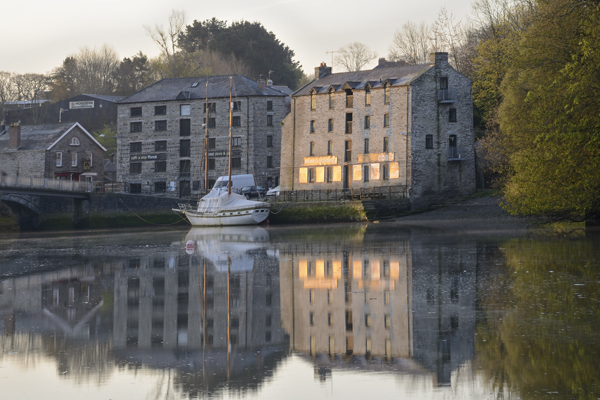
161,132
61,151
409,126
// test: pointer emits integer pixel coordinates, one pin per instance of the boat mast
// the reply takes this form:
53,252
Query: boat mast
230,119
206,120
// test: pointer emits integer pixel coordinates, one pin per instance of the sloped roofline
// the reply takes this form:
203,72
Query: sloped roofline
70,129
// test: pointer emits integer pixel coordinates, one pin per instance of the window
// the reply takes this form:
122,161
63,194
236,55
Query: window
429,141
386,144
160,166
313,101
160,125
387,321
348,151
59,158
184,127
367,122
330,319
385,172
311,149
331,98
329,174
330,125
136,111
184,168
211,165
269,161
160,145
268,320
348,122
135,188
74,159
386,93
311,175
89,157
236,121
236,162
366,146
237,141
236,105
75,141
184,148
269,105
312,126
160,187
367,320
160,110
365,173
444,83
212,143
269,141
367,96
212,107
135,168
269,120
135,127
185,110
135,147
212,123
311,319
329,147
349,98
452,115
452,141
386,120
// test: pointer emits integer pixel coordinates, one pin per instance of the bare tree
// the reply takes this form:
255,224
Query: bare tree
354,56
96,69
7,92
32,89
411,43
167,41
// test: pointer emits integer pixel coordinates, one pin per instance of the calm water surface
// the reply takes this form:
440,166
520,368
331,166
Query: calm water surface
342,312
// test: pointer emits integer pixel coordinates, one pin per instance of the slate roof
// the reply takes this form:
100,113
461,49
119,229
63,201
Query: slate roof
112,99
218,87
397,76
41,137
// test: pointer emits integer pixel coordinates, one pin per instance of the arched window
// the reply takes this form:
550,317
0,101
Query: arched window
74,141
367,96
313,101
386,93
329,147
331,98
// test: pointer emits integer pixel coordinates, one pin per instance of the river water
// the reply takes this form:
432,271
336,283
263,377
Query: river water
335,312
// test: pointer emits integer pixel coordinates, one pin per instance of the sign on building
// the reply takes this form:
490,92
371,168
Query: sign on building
74,105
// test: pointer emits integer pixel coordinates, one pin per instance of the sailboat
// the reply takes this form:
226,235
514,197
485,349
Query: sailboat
222,207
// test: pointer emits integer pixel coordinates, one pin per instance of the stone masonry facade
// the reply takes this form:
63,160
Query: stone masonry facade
405,126
161,134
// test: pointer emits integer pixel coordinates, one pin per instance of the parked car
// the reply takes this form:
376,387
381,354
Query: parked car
253,191
274,191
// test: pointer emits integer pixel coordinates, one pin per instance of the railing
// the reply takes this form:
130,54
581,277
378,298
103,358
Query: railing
447,96
60,184
297,196
456,153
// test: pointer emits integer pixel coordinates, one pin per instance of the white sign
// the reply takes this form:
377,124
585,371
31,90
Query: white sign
73,105
190,246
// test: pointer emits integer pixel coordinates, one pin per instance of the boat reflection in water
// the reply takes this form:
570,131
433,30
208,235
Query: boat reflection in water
213,314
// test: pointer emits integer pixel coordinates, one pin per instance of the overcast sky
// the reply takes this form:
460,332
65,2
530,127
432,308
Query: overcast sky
39,34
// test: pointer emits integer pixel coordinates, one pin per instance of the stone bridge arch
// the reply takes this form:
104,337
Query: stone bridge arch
26,207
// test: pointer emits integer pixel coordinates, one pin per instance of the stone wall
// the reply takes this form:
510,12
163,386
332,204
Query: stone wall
23,163
86,144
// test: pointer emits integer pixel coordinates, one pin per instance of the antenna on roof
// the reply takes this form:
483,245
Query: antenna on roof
334,51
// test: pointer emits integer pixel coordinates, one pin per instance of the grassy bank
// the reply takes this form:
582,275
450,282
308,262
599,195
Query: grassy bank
308,213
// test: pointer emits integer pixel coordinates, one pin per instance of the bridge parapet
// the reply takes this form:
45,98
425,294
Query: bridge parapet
45,183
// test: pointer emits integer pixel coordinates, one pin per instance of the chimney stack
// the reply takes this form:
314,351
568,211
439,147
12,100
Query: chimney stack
439,57
261,84
322,70
14,136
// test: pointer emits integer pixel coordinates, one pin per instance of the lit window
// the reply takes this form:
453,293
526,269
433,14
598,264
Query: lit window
331,98
368,96
313,101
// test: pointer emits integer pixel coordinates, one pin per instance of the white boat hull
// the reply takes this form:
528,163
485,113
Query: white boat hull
225,218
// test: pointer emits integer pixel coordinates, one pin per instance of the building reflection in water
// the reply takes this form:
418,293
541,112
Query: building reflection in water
397,305
171,310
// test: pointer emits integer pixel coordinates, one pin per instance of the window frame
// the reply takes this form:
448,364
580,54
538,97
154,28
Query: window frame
386,120
160,110
158,125
312,126
161,147
135,168
428,142
452,115
269,120
386,144
367,125
269,105
133,147
135,126
162,163
135,112
386,93
187,107
59,158
269,140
